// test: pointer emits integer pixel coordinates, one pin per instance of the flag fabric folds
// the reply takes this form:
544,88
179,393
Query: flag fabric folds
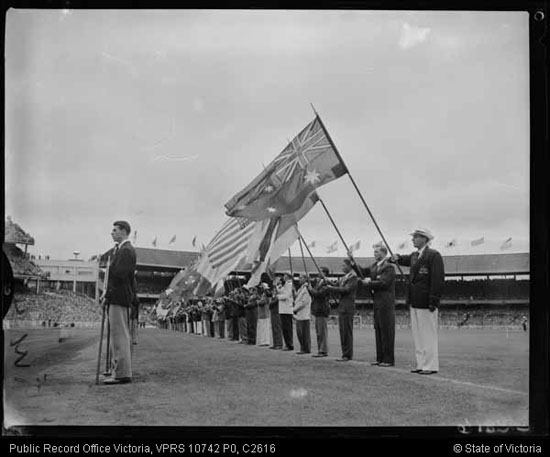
309,161
507,244
355,246
477,242
333,247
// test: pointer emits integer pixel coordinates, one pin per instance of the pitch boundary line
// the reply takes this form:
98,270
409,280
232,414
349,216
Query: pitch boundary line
440,378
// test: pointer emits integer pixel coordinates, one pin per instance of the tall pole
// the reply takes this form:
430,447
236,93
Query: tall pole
359,272
290,262
303,258
355,185
310,254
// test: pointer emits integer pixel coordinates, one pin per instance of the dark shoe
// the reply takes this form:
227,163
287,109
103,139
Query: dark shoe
343,359
107,373
319,355
384,364
427,372
418,370
375,363
112,381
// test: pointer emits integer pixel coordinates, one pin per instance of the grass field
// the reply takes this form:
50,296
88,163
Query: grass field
188,380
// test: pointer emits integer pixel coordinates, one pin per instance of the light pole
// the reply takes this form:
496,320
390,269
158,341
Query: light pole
76,253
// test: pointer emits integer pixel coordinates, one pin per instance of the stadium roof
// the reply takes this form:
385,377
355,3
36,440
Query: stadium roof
458,265
162,259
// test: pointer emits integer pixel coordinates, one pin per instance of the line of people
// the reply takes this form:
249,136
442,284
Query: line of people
265,315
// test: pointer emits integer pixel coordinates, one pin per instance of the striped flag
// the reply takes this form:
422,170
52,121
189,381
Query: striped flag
477,242
355,246
333,247
507,244
172,240
230,242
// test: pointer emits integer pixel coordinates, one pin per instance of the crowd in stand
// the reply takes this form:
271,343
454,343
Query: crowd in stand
54,307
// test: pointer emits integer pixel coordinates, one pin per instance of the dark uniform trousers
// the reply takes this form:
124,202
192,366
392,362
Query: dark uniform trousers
384,331
251,324
276,330
286,324
345,325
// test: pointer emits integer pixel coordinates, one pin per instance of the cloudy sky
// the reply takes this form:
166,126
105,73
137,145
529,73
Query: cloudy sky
160,117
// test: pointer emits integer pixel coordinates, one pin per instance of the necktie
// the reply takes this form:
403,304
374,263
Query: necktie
116,249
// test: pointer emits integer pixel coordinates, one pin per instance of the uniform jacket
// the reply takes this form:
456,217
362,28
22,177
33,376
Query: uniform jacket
302,304
426,278
320,306
347,288
382,285
121,283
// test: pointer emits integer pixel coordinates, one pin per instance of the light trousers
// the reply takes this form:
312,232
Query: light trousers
263,331
424,331
120,342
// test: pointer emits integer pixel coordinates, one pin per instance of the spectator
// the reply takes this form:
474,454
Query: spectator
302,313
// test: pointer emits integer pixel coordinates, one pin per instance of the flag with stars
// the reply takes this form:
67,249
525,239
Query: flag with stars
308,162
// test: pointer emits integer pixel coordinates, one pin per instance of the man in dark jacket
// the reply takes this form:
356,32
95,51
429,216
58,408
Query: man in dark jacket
120,295
426,278
347,289
381,283
320,309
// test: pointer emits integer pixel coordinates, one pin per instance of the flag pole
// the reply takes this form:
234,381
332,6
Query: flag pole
303,258
290,262
309,252
354,184
341,238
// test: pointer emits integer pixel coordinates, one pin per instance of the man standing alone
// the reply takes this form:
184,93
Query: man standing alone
426,278
119,296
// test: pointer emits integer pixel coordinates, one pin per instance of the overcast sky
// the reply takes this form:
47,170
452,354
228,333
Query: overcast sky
160,117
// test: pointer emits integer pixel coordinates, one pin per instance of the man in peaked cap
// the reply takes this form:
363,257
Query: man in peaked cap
426,278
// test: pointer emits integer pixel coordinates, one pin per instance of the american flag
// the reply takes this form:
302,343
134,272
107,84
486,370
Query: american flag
230,242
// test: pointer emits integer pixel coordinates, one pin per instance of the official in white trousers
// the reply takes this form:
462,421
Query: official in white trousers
424,325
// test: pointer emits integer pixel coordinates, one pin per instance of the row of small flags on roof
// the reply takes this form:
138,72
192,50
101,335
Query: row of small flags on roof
333,247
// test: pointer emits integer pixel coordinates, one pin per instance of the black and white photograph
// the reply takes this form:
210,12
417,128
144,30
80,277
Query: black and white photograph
267,218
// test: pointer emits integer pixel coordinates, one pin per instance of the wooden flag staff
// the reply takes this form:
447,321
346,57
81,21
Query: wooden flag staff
354,185
303,258
357,269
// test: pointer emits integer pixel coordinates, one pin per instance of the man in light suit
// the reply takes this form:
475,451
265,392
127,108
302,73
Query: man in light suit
347,288
119,295
381,283
285,294
426,279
